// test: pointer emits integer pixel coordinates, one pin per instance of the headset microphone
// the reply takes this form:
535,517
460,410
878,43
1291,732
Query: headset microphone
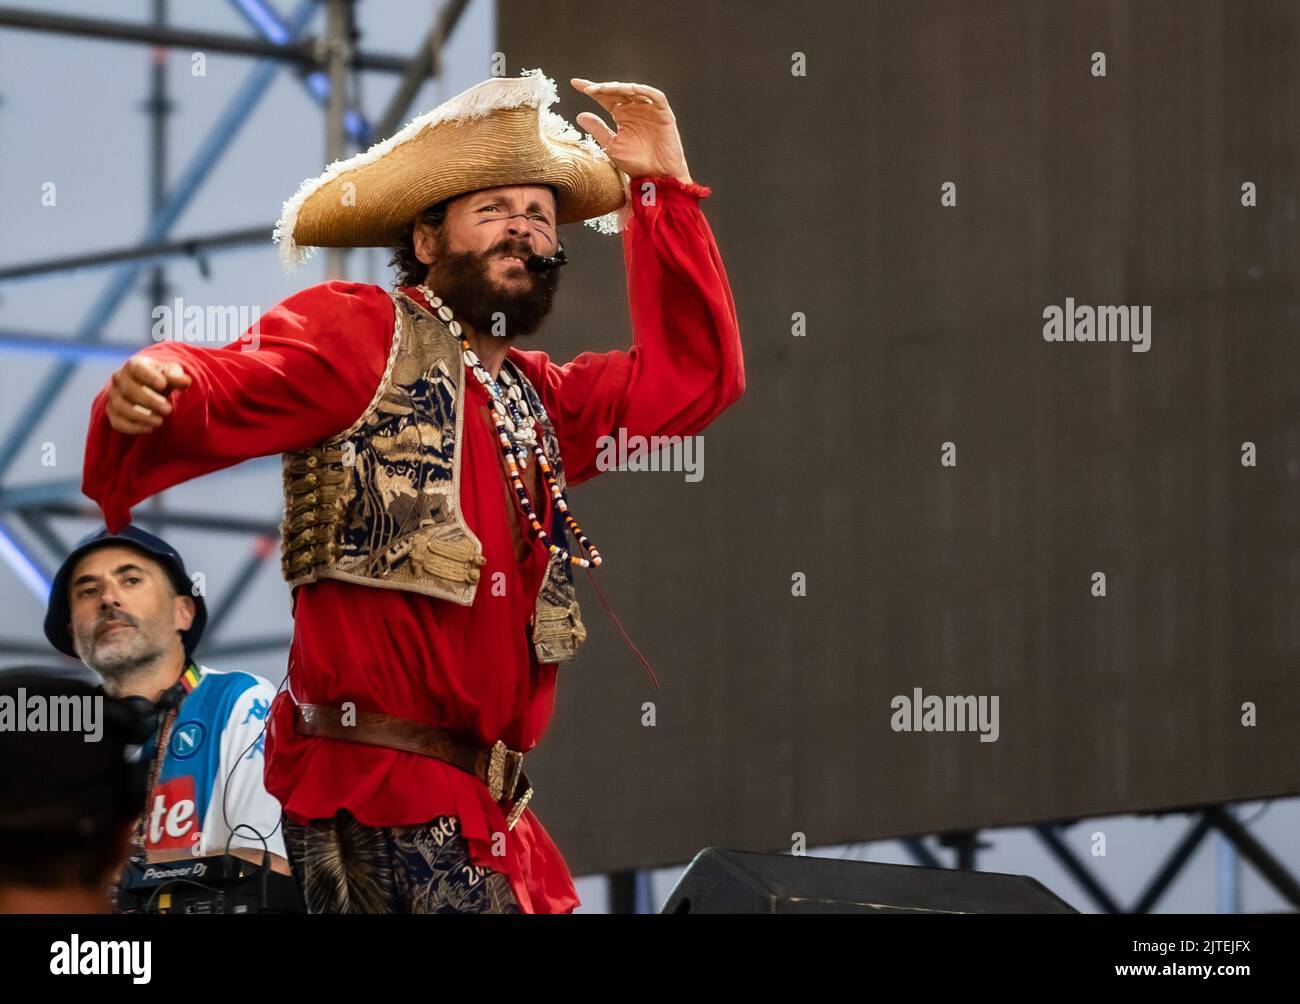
541,263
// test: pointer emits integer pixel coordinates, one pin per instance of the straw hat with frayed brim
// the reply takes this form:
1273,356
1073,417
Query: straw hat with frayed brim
499,132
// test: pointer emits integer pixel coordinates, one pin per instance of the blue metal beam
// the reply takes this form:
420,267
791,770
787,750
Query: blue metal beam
247,646
263,548
195,174
198,248
267,23
69,489
39,527
24,496
62,347
24,564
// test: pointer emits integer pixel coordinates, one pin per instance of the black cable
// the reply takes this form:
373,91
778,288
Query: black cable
225,791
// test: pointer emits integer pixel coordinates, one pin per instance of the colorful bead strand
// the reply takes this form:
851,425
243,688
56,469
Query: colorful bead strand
516,430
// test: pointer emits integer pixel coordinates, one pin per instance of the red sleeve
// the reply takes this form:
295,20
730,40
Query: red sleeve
305,371
685,364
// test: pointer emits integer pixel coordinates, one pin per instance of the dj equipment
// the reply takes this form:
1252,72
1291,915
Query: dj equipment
721,881
222,883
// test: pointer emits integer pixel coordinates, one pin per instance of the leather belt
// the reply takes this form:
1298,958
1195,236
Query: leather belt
501,769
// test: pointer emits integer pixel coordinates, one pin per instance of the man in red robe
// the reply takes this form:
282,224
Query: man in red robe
413,674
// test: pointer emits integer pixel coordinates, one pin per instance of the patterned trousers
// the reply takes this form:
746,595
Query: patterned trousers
342,866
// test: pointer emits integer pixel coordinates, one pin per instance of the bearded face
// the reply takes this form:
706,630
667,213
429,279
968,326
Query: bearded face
125,614
476,258
491,290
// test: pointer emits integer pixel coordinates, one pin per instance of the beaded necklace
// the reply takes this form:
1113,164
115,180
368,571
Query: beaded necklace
517,432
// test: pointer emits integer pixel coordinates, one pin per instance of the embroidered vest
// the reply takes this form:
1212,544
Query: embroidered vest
379,504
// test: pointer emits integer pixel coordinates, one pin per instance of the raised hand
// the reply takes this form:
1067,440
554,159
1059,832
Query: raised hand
645,140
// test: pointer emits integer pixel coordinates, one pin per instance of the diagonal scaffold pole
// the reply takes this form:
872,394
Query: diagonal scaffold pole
197,172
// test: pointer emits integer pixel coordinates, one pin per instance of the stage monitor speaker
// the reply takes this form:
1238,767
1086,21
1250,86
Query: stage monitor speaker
722,881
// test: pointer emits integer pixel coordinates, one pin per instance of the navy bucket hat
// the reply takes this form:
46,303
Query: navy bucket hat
58,613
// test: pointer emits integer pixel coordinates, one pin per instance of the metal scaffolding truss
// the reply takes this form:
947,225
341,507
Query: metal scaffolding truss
1205,819
326,67
630,892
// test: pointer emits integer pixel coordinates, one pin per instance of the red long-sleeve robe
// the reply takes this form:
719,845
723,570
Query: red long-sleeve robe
319,360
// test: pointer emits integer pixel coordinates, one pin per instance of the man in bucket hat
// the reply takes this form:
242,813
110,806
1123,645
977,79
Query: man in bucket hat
124,604
427,532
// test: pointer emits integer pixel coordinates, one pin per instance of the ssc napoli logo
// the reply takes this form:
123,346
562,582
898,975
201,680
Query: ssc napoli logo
186,740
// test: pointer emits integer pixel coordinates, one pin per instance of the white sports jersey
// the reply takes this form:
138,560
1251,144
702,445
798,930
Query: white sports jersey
211,777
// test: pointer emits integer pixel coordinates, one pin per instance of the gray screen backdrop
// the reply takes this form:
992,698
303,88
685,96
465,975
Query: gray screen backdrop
925,326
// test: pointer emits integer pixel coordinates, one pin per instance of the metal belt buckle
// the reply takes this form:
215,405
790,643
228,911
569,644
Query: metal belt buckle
505,767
